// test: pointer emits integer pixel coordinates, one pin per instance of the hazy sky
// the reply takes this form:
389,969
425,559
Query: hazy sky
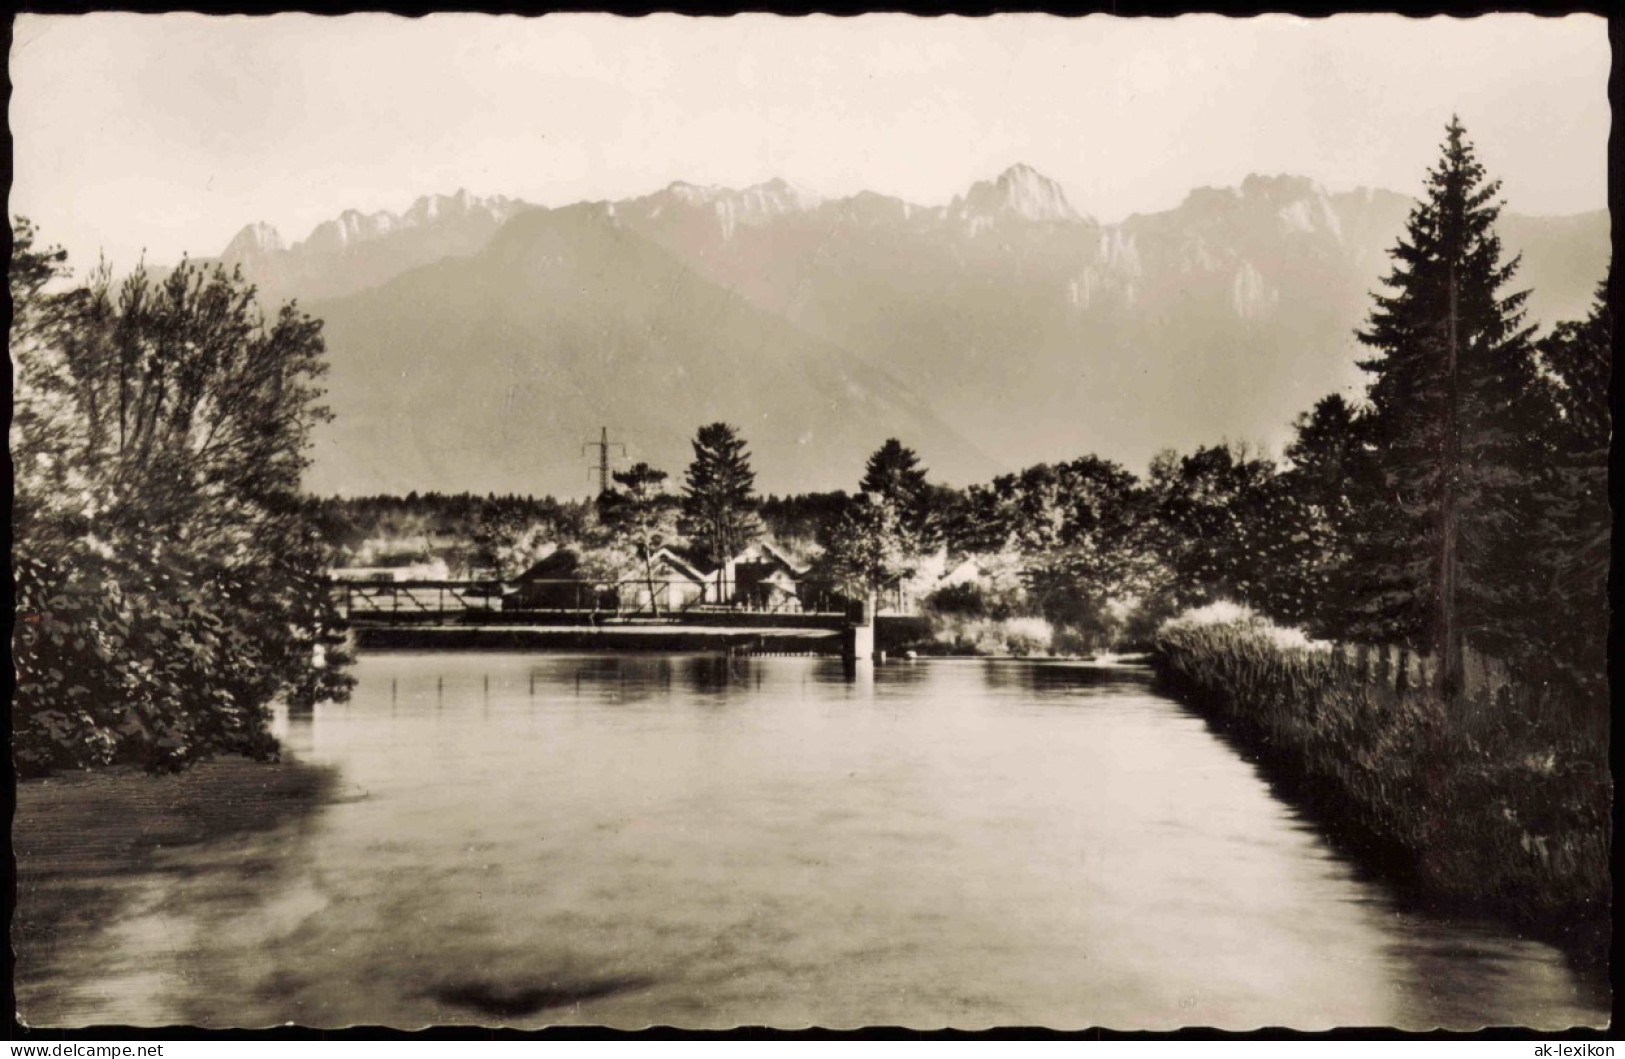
170,132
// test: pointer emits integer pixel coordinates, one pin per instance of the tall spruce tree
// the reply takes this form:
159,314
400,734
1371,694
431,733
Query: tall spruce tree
719,493
894,474
1456,414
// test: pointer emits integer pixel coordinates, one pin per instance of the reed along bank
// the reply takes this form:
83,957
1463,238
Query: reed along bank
1497,806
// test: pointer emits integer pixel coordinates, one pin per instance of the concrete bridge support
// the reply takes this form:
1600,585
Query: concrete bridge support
858,637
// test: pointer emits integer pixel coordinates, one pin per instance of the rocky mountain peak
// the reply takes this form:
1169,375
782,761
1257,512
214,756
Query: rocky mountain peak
755,205
1293,204
1021,191
1299,203
1280,187
352,226
764,201
254,240
429,208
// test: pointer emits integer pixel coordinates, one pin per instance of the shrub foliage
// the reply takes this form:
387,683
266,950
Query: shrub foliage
170,577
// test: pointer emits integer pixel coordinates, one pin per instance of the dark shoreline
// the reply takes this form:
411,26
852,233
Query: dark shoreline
1571,922
89,819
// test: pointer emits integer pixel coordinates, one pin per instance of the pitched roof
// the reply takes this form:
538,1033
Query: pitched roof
770,552
694,556
562,564
679,564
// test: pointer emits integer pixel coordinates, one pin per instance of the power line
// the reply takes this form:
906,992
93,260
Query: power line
603,444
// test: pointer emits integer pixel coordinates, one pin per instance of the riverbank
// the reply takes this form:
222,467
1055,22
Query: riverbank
79,837
1490,810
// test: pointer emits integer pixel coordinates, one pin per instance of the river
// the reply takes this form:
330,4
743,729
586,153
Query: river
634,840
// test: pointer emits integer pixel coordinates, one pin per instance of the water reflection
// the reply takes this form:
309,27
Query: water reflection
704,842
1048,679
614,678
180,942
715,677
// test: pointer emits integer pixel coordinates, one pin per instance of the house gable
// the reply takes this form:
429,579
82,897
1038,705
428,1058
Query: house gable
762,552
563,564
675,565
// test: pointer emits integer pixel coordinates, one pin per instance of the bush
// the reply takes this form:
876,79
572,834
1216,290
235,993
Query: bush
170,579
1027,636
964,600
986,636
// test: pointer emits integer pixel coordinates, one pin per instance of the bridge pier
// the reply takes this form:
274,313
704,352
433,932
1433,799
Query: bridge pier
858,637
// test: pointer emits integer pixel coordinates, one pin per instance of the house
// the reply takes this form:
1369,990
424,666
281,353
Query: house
764,578
557,582
967,571
677,585
760,577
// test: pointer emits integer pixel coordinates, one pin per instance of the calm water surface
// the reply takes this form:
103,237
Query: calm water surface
685,840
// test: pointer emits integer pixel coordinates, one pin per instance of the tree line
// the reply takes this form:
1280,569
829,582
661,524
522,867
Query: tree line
716,513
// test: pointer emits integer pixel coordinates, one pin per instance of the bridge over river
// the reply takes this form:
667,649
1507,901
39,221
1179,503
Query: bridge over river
482,614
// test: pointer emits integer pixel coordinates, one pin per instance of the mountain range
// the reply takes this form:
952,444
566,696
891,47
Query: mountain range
475,343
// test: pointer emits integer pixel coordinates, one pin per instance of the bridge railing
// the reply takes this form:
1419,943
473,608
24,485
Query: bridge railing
446,601
417,599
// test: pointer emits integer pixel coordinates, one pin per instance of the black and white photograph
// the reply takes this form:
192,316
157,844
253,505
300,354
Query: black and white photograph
940,523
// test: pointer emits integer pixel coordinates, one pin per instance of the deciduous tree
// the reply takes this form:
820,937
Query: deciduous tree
1330,501
171,579
1217,527
1080,530
869,548
642,516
